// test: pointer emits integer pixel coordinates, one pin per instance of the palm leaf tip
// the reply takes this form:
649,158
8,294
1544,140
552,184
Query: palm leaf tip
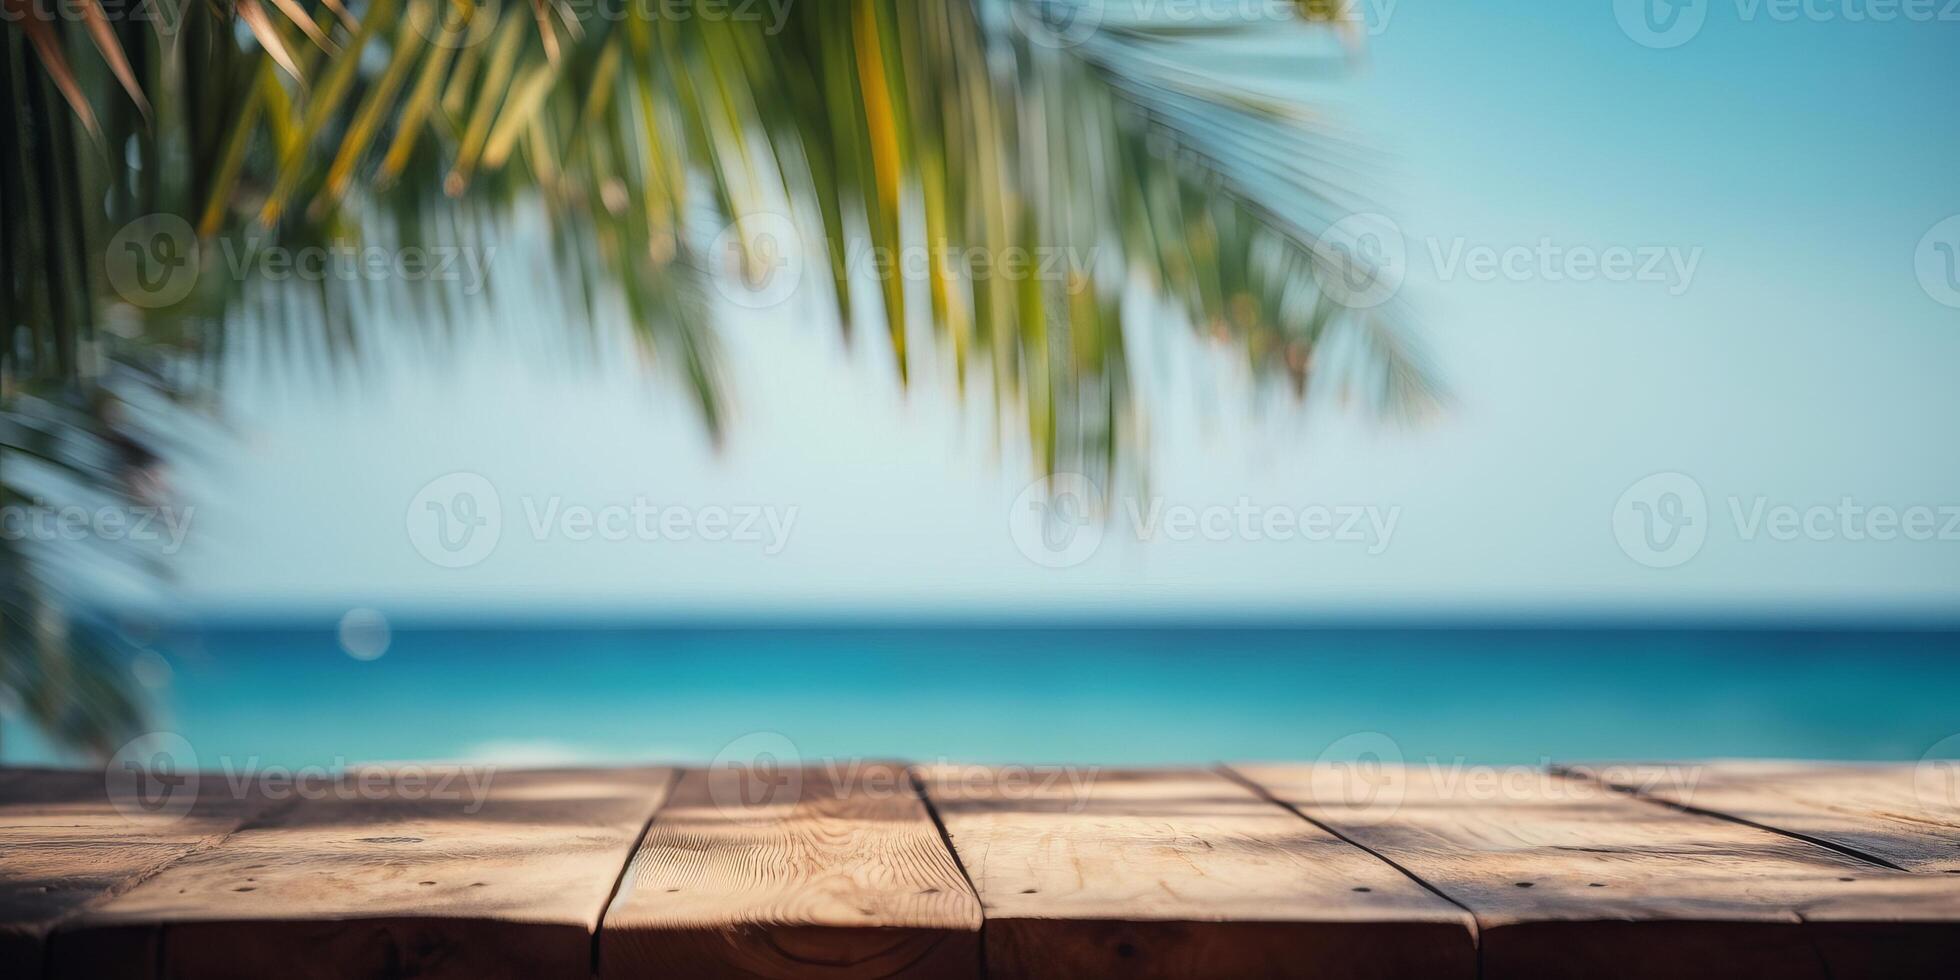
47,47
112,53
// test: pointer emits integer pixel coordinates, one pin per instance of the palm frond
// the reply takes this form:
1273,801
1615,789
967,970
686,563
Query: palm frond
1150,148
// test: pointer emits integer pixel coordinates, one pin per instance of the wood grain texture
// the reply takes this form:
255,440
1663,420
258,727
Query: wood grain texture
819,872
469,873
841,872
66,842
1904,814
1179,874
1569,878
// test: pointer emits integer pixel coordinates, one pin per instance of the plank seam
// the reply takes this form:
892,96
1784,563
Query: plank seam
269,810
1476,925
1568,772
160,955
632,853
946,840
273,810
1810,942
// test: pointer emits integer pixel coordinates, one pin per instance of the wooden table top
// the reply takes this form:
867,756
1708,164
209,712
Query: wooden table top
878,869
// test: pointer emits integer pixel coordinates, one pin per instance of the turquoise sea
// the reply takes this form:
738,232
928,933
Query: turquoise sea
540,694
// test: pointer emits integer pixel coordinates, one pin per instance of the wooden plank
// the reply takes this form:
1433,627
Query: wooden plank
1903,814
67,840
1180,874
1569,878
463,872
820,872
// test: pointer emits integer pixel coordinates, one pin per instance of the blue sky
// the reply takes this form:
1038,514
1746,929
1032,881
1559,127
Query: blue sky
1802,364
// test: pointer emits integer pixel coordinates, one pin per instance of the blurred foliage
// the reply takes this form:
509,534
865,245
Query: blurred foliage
1134,147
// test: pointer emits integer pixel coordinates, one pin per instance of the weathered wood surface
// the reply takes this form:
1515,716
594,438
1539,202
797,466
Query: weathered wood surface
1793,870
1177,874
818,872
1568,877
1905,815
67,841
468,873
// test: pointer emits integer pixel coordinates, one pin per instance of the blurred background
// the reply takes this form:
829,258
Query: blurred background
1038,380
